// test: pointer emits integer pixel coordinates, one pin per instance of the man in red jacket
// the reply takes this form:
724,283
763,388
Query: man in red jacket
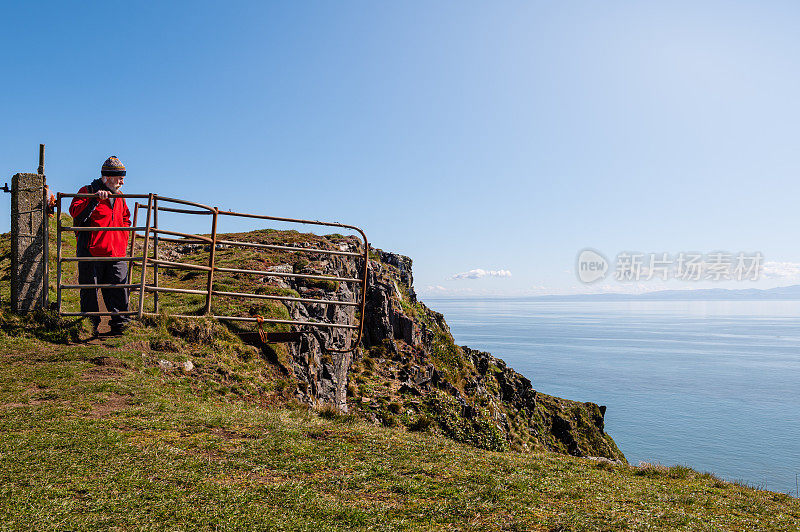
103,211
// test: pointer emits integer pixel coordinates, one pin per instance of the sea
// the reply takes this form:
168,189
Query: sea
713,385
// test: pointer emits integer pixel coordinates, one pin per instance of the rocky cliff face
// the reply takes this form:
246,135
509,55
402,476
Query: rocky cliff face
322,374
409,371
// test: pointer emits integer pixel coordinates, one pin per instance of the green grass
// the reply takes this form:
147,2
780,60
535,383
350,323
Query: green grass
113,434
98,436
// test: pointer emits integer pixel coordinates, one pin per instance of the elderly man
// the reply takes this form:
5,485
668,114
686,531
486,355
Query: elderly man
103,211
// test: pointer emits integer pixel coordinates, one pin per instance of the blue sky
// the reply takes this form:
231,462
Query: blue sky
503,137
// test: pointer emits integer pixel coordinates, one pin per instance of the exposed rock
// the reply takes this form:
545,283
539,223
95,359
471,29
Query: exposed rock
408,357
321,370
281,268
409,389
604,460
514,388
404,274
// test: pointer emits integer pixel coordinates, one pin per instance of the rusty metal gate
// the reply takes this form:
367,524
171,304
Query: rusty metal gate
151,235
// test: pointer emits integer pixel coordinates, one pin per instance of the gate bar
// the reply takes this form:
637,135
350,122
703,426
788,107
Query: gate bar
99,259
144,255
179,265
288,248
58,253
180,211
96,229
176,233
133,240
267,273
287,298
265,320
187,240
155,251
123,313
127,285
285,274
87,195
151,288
211,255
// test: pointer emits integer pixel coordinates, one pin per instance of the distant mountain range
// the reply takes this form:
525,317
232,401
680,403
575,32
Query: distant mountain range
786,293
710,294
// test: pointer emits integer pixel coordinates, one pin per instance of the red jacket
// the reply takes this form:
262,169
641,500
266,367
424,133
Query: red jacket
104,243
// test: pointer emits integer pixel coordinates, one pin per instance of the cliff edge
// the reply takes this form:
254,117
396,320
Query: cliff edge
409,371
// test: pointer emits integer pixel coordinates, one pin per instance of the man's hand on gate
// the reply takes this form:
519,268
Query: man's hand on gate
103,194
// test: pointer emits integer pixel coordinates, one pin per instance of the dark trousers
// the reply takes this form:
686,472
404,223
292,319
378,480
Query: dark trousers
116,299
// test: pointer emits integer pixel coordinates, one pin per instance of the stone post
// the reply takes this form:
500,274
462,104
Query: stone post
29,234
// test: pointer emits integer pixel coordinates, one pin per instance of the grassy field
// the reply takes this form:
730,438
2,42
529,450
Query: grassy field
117,434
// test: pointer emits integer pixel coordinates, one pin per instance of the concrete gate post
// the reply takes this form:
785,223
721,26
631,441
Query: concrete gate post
29,238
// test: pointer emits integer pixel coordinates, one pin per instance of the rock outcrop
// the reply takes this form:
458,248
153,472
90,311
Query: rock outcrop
408,370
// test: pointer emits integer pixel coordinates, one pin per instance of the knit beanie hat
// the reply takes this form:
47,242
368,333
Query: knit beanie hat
113,167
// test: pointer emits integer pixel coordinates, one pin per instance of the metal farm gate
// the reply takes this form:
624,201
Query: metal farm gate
151,234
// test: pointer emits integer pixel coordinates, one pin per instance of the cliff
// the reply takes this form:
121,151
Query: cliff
409,371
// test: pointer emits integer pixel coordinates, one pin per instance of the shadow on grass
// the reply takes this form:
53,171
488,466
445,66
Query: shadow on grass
45,325
209,331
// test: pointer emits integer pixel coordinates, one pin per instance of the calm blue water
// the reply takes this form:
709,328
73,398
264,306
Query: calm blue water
714,385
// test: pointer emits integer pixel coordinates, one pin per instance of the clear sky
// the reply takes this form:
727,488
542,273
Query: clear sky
502,136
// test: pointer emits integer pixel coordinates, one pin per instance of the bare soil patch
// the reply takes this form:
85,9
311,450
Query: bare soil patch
232,435
98,374
110,362
114,402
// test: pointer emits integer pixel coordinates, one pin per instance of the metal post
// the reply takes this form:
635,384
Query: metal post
363,294
46,243
155,254
41,159
58,252
211,259
132,247
144,255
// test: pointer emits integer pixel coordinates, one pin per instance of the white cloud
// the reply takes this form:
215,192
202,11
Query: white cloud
478,273
436,288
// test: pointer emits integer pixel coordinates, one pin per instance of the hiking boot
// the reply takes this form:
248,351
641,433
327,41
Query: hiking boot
118,329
